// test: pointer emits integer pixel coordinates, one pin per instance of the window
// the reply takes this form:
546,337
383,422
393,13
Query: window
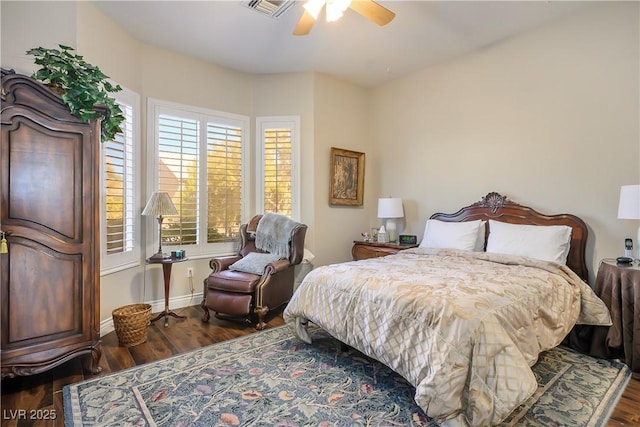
199,158
178,176
278,160
119,219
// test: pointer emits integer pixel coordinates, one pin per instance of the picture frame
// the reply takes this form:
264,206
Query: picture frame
346,187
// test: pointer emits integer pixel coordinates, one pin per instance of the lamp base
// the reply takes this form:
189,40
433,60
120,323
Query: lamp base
392,230
159,256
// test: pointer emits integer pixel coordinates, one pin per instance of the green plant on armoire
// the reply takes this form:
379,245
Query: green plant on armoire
81,86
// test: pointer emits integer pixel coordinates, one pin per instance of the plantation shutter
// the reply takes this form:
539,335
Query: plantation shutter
118,183
199,159
178,175
224,182
277,175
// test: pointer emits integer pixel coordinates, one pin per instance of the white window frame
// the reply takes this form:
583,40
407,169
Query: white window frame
111,263
269,122
155,108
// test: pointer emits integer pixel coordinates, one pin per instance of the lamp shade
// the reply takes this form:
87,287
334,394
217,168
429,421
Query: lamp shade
629,204
160,204
390,207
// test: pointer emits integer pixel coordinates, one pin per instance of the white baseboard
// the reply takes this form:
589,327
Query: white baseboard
157,306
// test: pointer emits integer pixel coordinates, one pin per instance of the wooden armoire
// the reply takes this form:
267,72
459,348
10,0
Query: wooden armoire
49,210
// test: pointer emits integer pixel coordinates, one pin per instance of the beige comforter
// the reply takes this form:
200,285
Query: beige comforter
462,327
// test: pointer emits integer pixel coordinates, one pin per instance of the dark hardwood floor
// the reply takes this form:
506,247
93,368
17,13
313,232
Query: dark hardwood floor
27,395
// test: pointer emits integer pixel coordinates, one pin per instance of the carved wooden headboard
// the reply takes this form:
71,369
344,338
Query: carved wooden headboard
499,208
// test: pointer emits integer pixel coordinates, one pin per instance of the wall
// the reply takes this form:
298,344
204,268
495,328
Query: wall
165,75
563,98
290,94
25,27
341,121
549,119
333,113
103,42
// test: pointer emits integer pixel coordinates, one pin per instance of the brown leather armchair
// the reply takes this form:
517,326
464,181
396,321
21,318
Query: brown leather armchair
243,295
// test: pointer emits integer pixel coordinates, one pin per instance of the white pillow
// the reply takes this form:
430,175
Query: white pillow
452,235
546,243
254,262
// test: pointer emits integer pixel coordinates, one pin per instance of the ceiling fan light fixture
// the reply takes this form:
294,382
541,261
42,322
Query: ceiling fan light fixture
314,7
336,8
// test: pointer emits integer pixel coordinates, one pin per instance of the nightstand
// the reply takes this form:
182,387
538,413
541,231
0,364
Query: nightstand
166,272
364,250
618,286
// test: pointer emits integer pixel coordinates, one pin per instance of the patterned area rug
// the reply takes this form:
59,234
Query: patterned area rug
272,378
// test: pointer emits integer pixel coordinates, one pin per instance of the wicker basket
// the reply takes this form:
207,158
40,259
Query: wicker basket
131,323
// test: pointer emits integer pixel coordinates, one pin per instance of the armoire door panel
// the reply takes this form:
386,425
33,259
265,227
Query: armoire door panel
57,303
44,183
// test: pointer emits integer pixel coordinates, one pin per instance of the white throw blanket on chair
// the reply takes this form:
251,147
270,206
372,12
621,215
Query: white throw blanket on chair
273,234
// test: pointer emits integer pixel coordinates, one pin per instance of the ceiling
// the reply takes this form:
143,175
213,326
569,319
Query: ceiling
423,33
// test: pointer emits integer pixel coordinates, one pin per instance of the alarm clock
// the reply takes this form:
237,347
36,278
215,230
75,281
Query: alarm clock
407,239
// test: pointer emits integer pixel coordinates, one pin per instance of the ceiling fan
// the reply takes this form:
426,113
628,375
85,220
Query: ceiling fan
334,10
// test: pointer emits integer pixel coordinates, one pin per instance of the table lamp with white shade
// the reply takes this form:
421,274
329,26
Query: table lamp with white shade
629,208
390,208
159,205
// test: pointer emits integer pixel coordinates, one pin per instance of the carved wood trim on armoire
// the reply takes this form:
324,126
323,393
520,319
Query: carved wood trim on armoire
49,209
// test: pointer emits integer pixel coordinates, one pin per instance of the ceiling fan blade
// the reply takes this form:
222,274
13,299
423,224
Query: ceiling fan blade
304,25
373,11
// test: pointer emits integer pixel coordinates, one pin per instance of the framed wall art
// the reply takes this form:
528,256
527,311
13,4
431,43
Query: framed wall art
347,178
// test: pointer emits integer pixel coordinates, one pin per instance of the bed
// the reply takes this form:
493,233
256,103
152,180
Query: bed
462,317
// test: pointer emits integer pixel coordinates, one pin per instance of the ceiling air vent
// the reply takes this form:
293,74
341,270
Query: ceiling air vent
272,8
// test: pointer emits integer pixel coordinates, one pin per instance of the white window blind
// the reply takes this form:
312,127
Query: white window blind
278,165
277,170
224,182
178,143
118,212
200,160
